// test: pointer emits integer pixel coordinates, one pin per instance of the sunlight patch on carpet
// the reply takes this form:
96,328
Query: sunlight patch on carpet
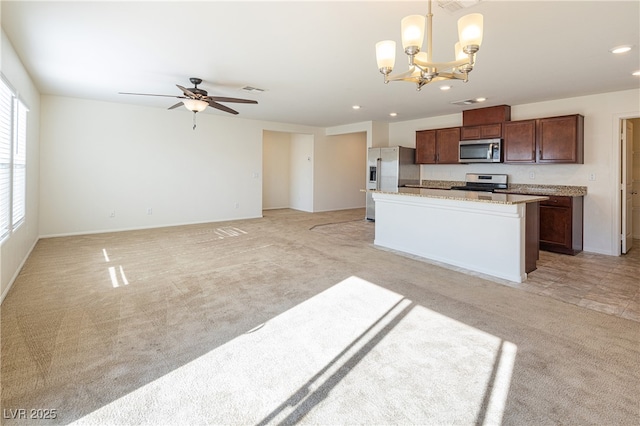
402,362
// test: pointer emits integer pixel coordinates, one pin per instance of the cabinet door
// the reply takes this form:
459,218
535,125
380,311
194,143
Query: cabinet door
486,131
426,147
448,141
491,131
520,141
560,139
471,133
556,225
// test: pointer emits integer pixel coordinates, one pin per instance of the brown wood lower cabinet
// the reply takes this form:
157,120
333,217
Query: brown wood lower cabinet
532,237
561,226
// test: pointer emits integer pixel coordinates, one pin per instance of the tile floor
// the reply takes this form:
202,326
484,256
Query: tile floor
609,284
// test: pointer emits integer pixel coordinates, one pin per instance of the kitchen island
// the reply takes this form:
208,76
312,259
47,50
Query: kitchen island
490,233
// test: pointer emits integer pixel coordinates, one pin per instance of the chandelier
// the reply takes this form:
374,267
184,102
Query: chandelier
422,70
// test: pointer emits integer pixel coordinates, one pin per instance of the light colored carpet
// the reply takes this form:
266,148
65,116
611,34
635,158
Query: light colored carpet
297,318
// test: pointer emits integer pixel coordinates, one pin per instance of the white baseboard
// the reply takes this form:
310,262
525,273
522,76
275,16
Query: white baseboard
139,228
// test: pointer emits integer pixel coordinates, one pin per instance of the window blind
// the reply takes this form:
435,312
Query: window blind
19,164
13,160
6,139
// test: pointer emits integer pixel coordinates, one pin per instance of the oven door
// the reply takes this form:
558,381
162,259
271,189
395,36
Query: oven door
480,151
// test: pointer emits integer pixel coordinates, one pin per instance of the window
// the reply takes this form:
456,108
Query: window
13,160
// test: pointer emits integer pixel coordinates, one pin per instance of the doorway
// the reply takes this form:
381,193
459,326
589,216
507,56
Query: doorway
287,171
629,183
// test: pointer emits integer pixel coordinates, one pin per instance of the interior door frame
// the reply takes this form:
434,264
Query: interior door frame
626,186
616,155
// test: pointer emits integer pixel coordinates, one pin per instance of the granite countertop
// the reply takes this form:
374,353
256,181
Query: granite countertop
557,190
483,197
514,188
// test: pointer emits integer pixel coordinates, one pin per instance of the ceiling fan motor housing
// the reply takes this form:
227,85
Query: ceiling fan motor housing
195,81
198,91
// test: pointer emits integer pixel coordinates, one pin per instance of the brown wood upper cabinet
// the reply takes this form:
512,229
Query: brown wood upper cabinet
520,141
488,115
437,146
545,140
486,131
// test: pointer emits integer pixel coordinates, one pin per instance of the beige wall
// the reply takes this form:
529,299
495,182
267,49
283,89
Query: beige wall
276,171
340,164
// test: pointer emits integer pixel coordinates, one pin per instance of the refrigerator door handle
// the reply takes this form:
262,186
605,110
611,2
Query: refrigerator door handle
378,164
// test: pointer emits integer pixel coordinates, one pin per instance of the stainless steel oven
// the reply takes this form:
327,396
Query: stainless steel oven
480,151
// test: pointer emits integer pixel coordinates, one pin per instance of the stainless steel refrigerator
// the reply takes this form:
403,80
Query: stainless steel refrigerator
388,169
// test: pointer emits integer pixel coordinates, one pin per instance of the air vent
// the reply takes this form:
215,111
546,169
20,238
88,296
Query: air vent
466,102
455,5
252,89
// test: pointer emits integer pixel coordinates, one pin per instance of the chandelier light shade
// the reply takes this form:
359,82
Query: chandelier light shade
195,105
386,54
422,70
470,29
412,33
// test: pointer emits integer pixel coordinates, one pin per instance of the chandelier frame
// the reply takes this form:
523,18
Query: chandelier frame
422,70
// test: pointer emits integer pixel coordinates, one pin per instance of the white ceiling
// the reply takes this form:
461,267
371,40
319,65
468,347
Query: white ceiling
317,59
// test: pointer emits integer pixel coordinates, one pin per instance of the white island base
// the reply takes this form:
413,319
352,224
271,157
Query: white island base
490,236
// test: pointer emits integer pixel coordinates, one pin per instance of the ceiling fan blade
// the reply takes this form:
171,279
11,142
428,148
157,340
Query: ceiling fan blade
148,94
186,91
176,105
236,100
216,105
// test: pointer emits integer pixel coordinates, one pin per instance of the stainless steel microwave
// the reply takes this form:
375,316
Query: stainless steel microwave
480,151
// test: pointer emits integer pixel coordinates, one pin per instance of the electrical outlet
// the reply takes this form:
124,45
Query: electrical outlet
237,205
149,211
592,176
532,175
112,214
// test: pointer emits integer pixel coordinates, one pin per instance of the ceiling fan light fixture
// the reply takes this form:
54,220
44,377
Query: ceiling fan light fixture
195,105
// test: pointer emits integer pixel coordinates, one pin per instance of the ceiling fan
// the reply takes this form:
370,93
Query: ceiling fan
196,99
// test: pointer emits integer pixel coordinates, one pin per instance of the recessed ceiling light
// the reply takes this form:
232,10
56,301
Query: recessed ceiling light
445,88
356,107
393,114
620,49
481,99
636,73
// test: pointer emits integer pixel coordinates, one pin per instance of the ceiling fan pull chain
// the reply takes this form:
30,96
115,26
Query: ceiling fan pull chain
194,120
